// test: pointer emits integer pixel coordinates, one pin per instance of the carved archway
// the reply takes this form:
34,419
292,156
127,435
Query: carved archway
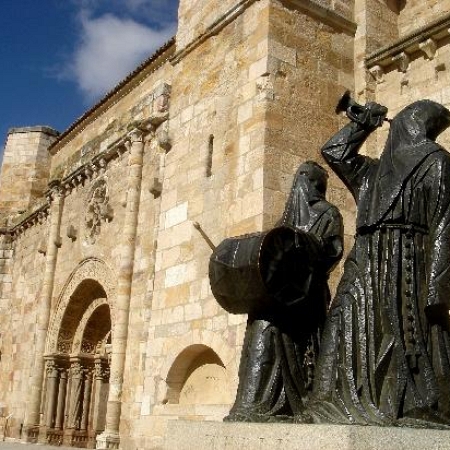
77,358
91,269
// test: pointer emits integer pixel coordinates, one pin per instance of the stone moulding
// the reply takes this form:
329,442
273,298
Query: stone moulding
213,29
424,40
149,66
324,14
89,171
91,268
309,6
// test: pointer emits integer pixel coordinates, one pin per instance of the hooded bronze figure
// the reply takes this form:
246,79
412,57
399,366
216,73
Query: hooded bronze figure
385,352
282,339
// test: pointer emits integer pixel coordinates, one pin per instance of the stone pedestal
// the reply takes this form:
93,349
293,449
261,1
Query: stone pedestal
191,435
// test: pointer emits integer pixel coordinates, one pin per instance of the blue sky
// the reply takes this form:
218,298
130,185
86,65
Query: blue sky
58,57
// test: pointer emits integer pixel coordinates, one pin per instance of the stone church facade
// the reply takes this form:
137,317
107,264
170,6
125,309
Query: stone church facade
108,328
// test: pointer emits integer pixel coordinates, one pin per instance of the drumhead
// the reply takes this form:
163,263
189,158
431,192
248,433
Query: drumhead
258,272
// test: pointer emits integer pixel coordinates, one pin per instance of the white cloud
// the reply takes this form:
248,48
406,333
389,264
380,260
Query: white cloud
111,47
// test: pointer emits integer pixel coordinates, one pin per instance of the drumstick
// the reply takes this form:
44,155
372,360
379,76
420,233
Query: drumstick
198,227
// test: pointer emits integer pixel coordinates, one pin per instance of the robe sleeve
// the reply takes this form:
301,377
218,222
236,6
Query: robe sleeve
438,302
326,240
333,239
341,154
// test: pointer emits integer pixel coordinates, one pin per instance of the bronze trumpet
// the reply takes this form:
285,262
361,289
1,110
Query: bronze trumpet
353,110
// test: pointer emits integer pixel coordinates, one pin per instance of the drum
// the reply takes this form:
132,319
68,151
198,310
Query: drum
258,272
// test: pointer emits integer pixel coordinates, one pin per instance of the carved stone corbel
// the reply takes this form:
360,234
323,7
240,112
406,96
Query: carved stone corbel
378,73
402,60
429,47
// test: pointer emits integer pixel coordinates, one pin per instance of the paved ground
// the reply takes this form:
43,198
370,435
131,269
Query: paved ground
20,446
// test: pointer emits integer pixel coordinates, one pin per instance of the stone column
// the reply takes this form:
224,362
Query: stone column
99,379
31,421
110,437
76,389
86,399
52,393
61,399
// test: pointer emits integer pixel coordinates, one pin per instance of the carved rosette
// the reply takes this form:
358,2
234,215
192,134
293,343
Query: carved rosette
98,210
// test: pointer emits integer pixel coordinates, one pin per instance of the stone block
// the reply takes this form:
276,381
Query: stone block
190,435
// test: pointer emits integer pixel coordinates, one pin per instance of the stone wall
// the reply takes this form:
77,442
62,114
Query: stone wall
209,131
25,168
213,175
418,13
309,66
22,260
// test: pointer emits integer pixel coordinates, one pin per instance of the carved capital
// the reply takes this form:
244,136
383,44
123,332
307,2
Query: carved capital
76,370
51,369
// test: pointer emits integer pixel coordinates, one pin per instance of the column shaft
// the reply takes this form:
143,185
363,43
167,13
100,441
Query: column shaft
120,333
44,307
61,400
52,387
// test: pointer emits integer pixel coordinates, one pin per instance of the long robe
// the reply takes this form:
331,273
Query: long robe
385,350
279,352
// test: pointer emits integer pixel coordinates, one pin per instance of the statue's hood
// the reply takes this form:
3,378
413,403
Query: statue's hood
410,141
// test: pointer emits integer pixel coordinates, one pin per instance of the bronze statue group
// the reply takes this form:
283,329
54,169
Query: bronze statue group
379,352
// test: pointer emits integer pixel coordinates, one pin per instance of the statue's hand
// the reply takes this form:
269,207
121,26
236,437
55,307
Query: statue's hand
372,116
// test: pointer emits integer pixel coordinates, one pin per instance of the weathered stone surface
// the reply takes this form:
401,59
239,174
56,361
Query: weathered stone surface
189,435
245,94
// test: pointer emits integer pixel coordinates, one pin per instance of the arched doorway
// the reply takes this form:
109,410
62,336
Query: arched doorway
197,377
77,370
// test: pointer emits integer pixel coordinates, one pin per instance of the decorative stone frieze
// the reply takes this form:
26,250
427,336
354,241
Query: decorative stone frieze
425,40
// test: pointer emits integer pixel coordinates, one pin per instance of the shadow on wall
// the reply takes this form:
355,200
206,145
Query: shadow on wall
198,377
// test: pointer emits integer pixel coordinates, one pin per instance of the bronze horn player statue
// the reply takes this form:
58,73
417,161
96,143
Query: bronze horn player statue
356,112
385,349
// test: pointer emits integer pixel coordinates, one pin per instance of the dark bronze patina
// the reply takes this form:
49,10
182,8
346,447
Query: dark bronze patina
280,279
385,350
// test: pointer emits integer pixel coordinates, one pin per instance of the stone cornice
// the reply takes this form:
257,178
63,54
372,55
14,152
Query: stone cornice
409,44
308,6
324,14
37,216
36,129
213,29
136,77
97,166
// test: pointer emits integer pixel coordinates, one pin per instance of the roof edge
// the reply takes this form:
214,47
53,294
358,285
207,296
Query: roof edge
106,101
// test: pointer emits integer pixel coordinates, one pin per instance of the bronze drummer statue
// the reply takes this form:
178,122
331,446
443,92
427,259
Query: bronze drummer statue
280,279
